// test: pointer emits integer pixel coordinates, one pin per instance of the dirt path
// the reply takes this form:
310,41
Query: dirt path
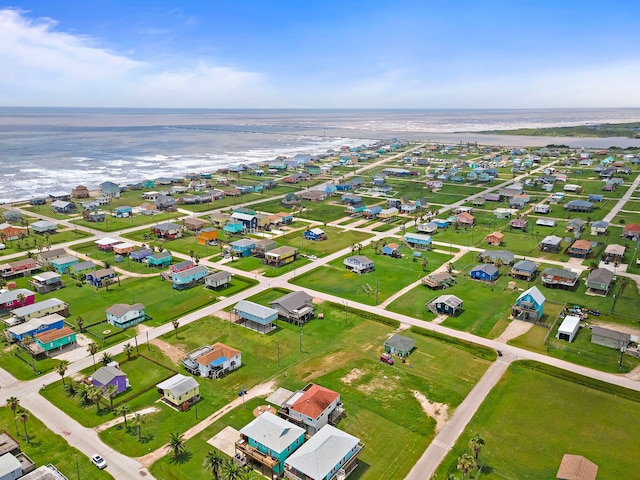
171,351
130,416
258,391
515,329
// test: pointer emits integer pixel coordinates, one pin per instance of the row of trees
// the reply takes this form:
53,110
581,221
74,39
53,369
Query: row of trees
19,415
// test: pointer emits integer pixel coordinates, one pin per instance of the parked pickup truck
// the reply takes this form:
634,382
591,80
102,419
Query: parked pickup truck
386,358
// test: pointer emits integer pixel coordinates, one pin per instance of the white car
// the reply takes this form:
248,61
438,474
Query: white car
2,246
98,461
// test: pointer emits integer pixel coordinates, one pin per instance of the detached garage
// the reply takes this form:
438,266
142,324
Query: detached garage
569,328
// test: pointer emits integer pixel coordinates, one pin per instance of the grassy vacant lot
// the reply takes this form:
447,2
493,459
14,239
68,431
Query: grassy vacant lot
337,239
45,447
33,242
390,275
536,414
111,224
372,392
186,244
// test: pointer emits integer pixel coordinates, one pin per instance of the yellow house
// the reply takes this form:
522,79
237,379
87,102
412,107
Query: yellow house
179,391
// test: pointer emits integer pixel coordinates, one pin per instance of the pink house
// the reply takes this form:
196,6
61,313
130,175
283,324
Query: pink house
12,299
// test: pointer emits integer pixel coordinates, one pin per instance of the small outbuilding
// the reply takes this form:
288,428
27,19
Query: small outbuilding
399,345
568,328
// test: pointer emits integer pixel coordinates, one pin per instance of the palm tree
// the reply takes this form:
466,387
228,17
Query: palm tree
466,464
95,395
106,358
80,323
61,368
23,416
138,421
177,444
92,348
127,348
475,445
231,471
425,262
122,411
13,403
110,391
214,462
176,324
21,297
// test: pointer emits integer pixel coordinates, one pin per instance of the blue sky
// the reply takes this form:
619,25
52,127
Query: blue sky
320,54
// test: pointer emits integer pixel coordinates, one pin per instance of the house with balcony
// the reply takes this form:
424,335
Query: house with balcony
34,326
312,408
40,309
599,281
98,278
62,264
559,278
54,339
614,253
243,247
599,227
218,361
631,231
188,278
160,259
294,307
179,391
359,264
315,234
529,305
46,282
580,249
167,230
268,441
495,239
437,281
106,244
122,315
330,453
524,270
254,316
418,241
42,226
280,256
217,279
551,243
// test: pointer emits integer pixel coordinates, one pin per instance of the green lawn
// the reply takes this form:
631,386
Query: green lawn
35,242
46,447
111,224
389,276
531,419
337,239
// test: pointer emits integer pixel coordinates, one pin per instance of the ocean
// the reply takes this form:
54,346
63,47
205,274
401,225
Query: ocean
54,149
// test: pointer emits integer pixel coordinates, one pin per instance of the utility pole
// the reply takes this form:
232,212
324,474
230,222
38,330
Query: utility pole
278,344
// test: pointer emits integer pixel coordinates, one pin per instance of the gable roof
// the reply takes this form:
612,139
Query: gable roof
218,350
487,268
293,300
55,334
273,432
576,467
255,309
559,272
105,374
525,266
600,275
450,300
314,401
178,384
119,309
536,294
322,452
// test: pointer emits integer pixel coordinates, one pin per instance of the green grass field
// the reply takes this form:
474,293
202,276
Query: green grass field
532,418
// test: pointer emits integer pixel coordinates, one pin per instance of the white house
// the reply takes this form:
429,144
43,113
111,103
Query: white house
359,264
312,407
220,360
123,315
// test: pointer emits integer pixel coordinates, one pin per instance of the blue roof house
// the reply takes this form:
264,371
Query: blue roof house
250,222
485,272
243,247
528,305
315,234
372,212
123,211
441,223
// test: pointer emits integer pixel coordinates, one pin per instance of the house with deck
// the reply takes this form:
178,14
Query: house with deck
99,278
62,264
631,231
109,375
63,207
315,234
45,256
359,264
218,361
524,270
261,247
268,441
139,254
312,408
418,241
82,267
18,268
578,206
445,304
110,189
179,391
218,280
189,278
243,247
492,256
599,227
599,281
614,253
437,281
280,256
55,339
19,297
295,307
529,305
575,225
255,316
40,309
34,326
559,278
42,226
160,259
551,243
122,315
106,244
167,230
329,454
46,282
580,249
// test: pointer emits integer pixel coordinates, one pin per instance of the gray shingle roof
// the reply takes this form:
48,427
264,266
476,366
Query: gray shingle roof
178,384
273,432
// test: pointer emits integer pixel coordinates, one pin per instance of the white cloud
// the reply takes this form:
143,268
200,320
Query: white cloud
42,66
